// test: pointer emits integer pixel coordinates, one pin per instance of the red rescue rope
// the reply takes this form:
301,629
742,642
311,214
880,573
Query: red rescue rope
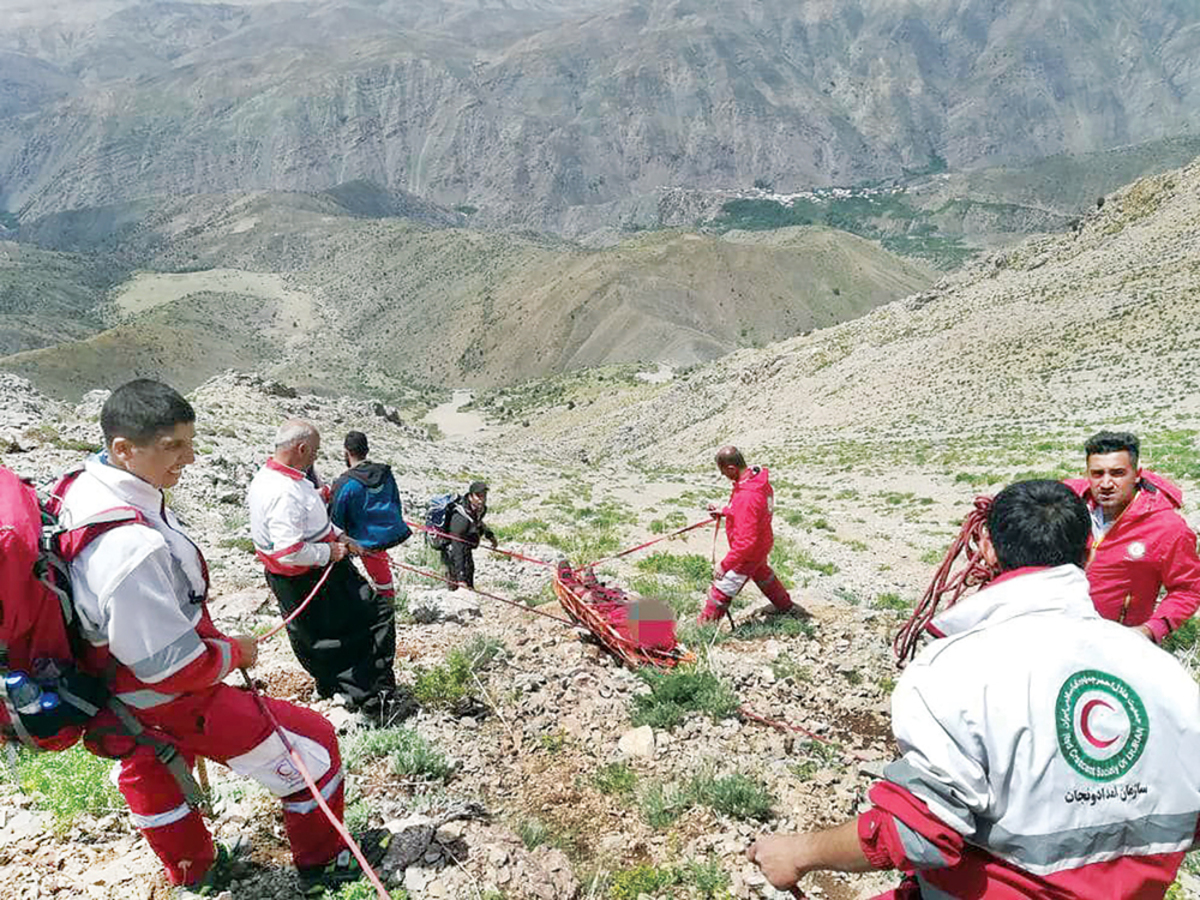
315,791
518,604
454,537
948,584
665,537
299,609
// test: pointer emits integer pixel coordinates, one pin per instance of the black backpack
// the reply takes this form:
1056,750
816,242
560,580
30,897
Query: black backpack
437,519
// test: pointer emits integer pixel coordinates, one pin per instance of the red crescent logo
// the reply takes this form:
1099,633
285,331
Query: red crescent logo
1086,729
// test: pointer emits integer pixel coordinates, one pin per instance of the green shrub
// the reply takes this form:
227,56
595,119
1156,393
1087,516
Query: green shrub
735,795
533,833
663,804
239,543
363,890
407,753
451,682
787,558
677,692
615,778
1182,638
357,816
784,666
68,784
774,626
817,755
892,601
708,877
629,884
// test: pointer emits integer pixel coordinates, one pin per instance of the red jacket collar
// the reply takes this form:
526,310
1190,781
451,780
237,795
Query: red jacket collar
279,467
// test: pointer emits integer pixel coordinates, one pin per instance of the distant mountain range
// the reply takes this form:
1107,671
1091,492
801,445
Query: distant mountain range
333,292
568,116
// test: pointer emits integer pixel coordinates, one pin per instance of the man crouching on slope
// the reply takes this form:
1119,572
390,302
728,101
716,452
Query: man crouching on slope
346,637
748,529
1047,752
140,590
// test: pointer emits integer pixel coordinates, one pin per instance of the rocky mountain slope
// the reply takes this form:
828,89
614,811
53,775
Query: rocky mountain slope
331,298
1095,325
878,432
560,116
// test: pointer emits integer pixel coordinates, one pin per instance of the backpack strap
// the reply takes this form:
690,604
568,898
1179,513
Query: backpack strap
166,752
68,543
14,718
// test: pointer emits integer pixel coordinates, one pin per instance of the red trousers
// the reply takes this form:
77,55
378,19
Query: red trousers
225,724
724,589
379,572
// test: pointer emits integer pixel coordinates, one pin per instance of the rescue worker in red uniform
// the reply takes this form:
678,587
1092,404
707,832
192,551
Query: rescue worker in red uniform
1139,542
748,528
140,591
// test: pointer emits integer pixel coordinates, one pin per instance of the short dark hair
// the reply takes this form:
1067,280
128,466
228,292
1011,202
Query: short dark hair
1039,523
731,456
356,444
1113,442
141,410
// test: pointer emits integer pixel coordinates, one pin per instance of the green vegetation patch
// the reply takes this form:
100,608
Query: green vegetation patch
886,217
407,753
703,879
453,681
738,796
66,784
677,693
363,890
615,779
692,567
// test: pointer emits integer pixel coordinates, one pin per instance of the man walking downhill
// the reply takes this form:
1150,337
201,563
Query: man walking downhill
141,592
748,529
365,504
1045,752
465,523
346,638
1139,542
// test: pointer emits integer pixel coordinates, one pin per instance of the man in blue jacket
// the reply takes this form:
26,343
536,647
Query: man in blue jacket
365,503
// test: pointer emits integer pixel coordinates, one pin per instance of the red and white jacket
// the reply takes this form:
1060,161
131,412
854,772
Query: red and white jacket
289,523
1046,752
748,522
1147,548
140,592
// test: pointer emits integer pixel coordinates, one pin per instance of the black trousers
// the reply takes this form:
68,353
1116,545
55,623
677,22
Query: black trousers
346,638
460,562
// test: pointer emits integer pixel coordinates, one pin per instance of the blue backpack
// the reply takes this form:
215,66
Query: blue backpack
437,517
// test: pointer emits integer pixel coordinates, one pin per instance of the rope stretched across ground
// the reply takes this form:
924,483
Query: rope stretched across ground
743,709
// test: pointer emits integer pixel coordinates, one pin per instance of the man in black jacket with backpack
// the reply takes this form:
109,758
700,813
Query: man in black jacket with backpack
465,526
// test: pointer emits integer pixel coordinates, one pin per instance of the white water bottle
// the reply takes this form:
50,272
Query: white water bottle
24,693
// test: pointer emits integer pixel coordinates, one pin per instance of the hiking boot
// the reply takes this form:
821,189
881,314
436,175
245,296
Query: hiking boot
344,868
388,708
712,613
219,875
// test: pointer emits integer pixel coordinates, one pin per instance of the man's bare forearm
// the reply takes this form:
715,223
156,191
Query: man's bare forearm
785,858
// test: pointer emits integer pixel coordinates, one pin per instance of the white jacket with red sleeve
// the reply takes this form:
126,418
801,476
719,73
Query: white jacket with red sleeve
289,523
1046,752
140,592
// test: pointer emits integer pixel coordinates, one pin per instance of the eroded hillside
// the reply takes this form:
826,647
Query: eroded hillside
299,286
